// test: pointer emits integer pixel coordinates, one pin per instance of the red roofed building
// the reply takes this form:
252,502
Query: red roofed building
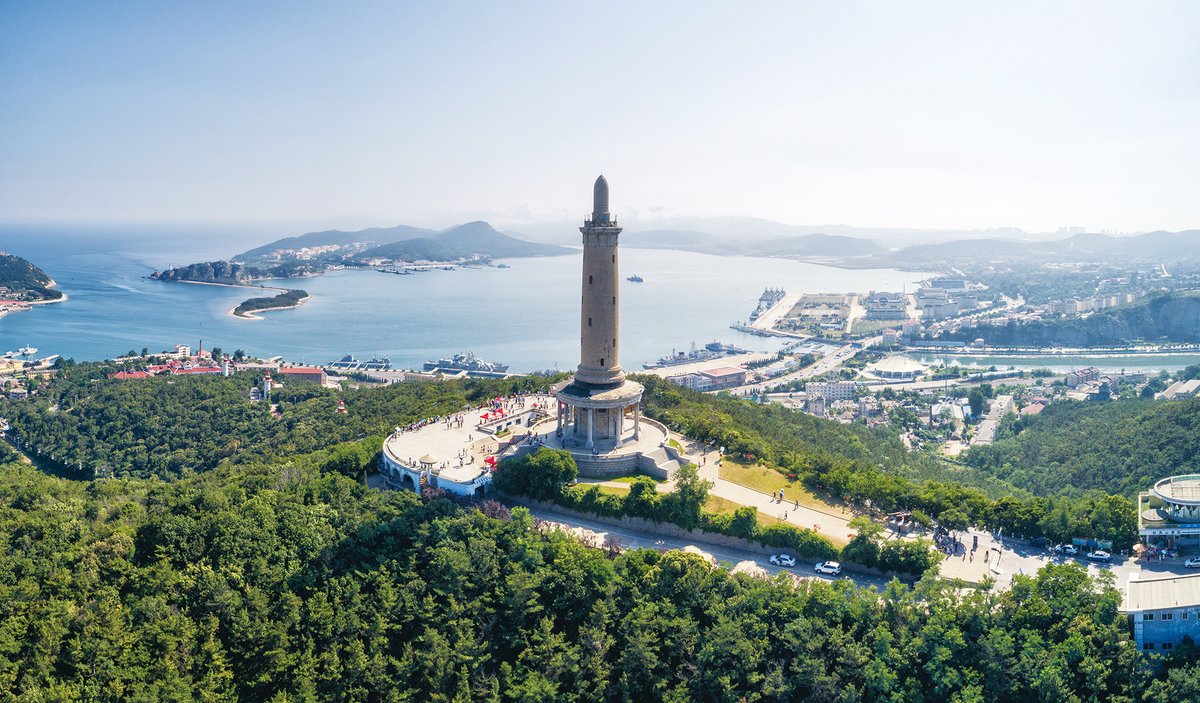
315,374
127,375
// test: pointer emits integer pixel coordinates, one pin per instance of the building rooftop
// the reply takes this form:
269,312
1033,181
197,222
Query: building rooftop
461,474
723,371
1156,594
898,363
1180,489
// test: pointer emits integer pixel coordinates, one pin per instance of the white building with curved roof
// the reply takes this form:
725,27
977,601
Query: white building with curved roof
897,366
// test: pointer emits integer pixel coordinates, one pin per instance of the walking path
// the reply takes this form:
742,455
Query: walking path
832,526
636,539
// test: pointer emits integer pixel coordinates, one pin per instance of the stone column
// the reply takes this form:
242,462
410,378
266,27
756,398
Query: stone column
559,407
591,425
637,420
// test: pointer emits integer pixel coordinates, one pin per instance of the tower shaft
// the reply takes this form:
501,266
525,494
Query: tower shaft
600,350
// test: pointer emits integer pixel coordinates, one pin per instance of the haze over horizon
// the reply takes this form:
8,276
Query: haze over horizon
928,116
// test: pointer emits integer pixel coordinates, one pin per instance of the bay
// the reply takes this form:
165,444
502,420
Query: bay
526,316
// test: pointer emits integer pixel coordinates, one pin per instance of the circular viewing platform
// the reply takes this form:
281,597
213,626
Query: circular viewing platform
1179,490
1180,496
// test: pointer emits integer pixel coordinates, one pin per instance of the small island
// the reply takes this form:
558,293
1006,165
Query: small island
290,298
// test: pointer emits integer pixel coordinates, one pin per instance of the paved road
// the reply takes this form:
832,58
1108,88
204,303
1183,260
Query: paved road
986,434
827,363
728,556
1016,557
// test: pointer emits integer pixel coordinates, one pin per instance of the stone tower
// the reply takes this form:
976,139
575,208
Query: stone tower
593,405
599,323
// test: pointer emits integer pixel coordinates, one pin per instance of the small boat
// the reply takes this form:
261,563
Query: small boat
635,278
27,351
503,266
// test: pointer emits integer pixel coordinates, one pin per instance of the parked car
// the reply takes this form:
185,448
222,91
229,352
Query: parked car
831,568
1068,549
1099,555
1193,563
783,560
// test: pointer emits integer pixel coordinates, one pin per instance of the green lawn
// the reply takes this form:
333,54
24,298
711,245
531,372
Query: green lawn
770,481
862,325
724,506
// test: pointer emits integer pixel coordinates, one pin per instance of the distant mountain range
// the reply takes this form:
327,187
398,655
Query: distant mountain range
315,252
479,242
804,245
1154,246
473,240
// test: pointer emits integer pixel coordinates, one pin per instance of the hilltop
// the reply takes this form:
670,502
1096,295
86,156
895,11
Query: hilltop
466,242
25,282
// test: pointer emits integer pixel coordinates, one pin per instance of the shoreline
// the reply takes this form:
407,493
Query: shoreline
52,284
253,314
228,285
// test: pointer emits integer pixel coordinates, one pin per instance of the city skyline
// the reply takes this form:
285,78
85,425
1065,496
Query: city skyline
929,116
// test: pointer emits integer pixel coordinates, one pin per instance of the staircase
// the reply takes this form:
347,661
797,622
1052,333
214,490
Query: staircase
663,462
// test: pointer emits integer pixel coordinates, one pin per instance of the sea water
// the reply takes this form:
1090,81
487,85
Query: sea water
526,316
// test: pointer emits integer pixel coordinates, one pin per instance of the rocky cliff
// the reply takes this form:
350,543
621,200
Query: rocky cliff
210,272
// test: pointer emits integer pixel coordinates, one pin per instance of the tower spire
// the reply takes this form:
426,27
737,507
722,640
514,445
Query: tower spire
600,200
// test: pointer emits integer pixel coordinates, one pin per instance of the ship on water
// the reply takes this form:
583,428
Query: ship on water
635,278
349,363
465,361
712,350
769,297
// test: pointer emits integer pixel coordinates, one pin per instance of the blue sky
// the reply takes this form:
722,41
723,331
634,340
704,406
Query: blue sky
921,114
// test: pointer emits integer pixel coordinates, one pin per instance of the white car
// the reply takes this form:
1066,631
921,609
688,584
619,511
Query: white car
1070,549
1193,563
783,560
1099,555
831,568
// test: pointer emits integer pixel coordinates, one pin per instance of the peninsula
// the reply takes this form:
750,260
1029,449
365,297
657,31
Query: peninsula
310,254
22,284
473,243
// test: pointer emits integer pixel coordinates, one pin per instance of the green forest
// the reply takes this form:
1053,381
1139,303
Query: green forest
865,466
1120,447
21,276
167,427
282,582
228,553
287,299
